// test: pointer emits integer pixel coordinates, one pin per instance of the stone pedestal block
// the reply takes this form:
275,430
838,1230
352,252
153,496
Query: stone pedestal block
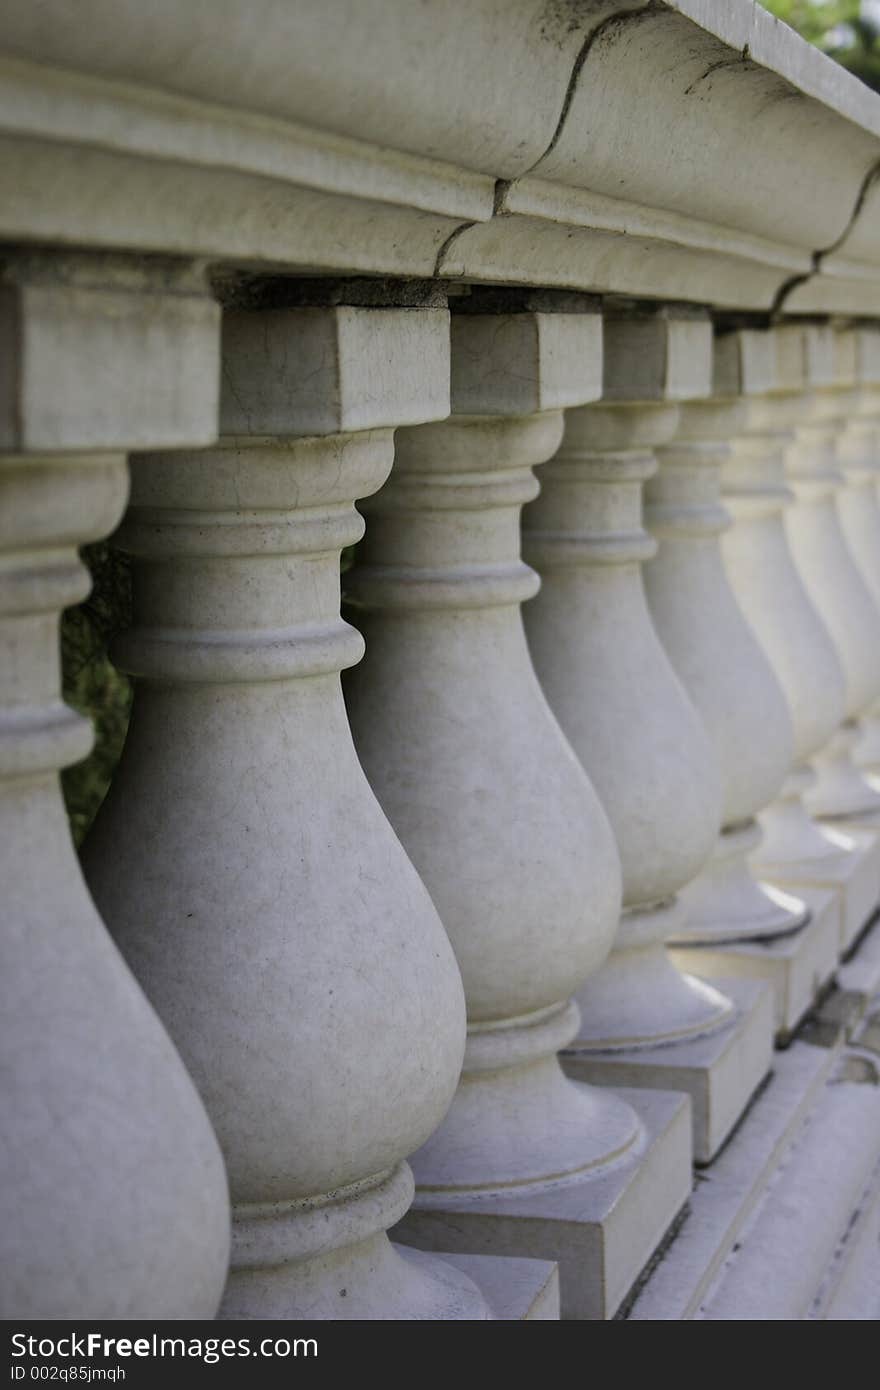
850,869
720,1071
797,966
598,1232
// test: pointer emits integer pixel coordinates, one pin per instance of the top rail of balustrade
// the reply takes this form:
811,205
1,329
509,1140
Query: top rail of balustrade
692,150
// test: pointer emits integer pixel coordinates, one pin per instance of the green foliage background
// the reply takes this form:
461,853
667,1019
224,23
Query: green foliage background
821,22
92,684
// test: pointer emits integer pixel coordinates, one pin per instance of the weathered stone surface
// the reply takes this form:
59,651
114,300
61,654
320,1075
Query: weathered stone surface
113,1199
241,858
101,352
769,369
720,1070
458,739
506,142
599,1232
797,966
827,568
334,173
724,670
613,688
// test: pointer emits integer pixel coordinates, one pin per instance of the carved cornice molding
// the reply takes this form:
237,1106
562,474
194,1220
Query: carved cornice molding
693,150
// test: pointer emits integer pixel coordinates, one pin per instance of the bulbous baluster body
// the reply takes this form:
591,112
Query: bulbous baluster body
489,800
114,1200
772,596
842,599
724,670
268,907
625,713
858,506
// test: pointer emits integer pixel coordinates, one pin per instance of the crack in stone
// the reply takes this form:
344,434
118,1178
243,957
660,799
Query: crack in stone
792,283
502,185
619,18
450,242
736,62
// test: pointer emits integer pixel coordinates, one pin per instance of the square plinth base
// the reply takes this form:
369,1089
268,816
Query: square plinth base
797,967
720,1072
515,1290
859,976
854,876
601,1230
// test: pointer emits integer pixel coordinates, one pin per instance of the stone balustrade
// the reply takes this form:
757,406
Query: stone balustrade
417,992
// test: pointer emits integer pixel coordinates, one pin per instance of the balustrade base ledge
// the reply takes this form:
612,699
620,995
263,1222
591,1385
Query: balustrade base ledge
784,1224
602,1232
720,1071
721,1207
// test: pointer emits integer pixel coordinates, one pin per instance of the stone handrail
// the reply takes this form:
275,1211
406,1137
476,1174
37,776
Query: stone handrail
688,150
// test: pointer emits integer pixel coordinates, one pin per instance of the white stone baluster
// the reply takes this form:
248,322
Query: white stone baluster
858,453
243,862
633,727
723,668
796,852
501,821
828,569
114,1200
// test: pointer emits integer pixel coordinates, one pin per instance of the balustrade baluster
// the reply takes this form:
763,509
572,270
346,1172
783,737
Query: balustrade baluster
241,859
114,1199
635,730
858,504
794,853
718,658
841,794
501,820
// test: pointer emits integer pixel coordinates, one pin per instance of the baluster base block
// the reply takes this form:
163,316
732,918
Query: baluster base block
602,1231
859,977
726,903
374,1280
797,967
862,892
853,874
515,1290
720,1071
